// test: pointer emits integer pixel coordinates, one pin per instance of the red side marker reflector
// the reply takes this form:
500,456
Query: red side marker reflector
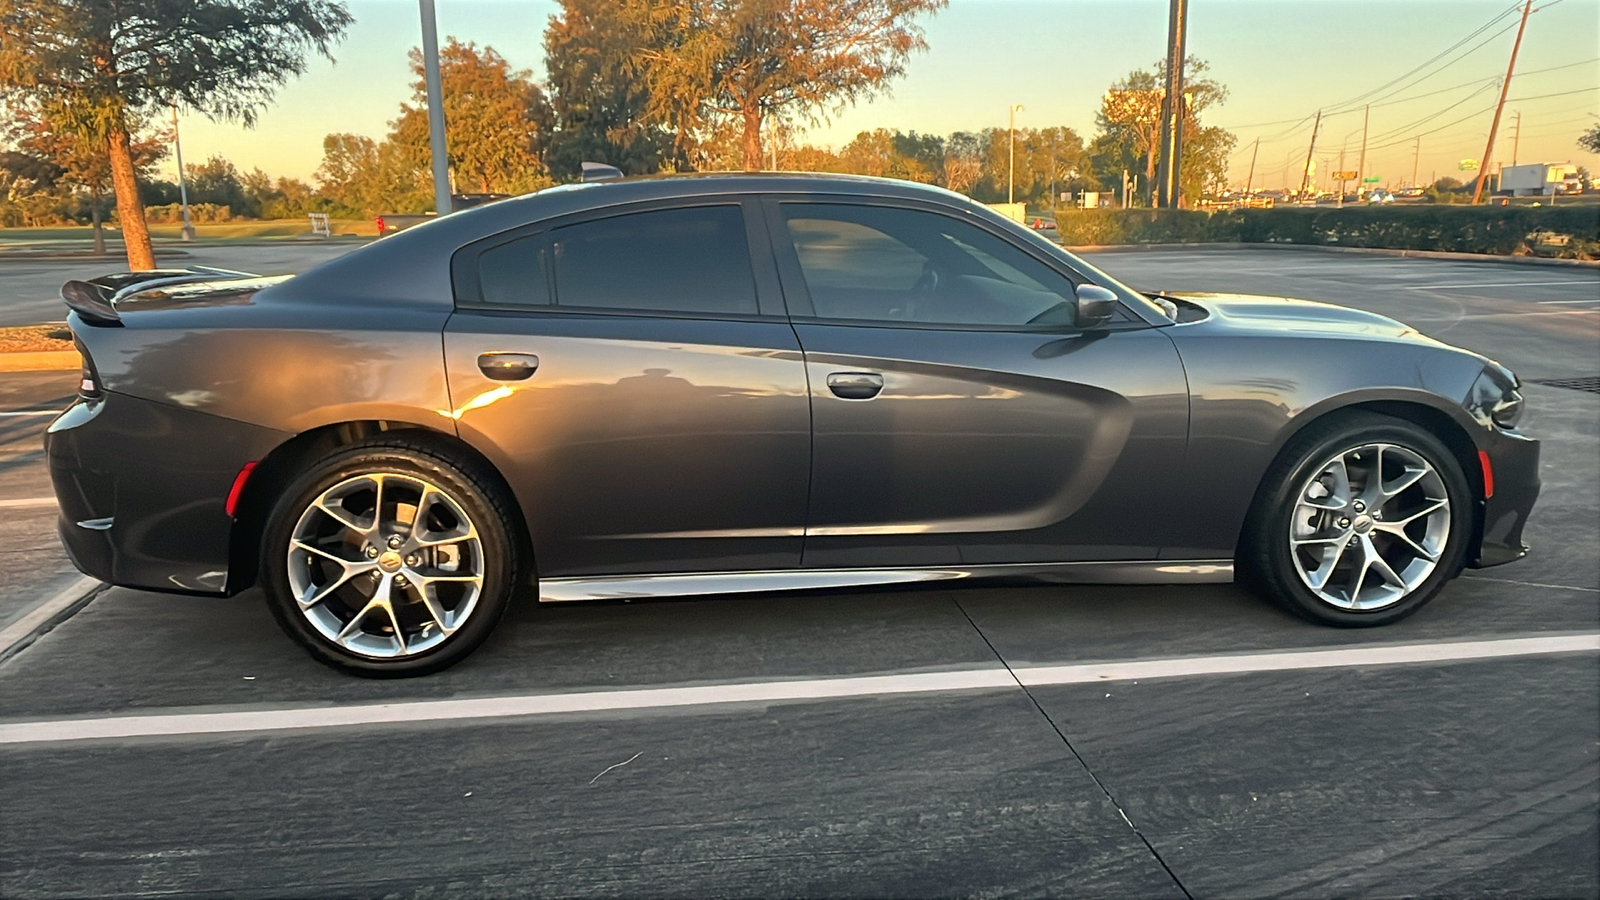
242,477
1488,474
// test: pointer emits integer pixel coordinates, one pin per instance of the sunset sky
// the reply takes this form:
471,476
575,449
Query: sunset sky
1281,59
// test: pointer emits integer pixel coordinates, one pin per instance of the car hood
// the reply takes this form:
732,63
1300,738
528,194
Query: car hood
1300,316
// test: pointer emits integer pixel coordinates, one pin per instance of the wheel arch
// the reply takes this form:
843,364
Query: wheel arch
274,472
1419,408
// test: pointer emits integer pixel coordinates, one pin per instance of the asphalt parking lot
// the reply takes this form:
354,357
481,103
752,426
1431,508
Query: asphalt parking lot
956,741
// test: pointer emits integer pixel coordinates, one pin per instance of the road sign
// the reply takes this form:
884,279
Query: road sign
1468,165
1344,176
1373,180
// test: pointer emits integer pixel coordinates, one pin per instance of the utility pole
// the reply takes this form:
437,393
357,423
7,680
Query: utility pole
1488,148
1170,175
1011,161
1516,139
1416,157
1252,176
183,180
1361,161
1306,178
435,88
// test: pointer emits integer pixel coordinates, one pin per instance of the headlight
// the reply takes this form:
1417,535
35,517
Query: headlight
1496,398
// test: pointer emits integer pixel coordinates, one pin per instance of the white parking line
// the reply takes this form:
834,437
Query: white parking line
31,412
987,679
1585,300
28,503
1430,287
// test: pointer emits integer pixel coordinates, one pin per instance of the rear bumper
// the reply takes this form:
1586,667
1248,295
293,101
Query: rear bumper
142,488
1514,460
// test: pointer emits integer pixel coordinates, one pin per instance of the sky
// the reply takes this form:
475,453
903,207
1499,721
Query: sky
1280,59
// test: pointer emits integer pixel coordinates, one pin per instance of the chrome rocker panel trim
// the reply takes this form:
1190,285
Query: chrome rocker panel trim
615,587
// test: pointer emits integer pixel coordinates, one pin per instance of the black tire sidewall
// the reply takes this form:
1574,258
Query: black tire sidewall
1272,557
478,499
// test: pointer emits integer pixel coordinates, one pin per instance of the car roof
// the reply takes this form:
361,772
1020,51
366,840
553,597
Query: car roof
412,266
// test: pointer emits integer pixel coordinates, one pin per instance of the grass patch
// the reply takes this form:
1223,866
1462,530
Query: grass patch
35,338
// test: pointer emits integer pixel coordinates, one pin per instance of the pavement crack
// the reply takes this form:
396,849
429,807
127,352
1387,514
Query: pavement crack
1154,853
617,766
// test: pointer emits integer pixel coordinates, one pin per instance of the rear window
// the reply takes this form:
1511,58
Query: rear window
694,260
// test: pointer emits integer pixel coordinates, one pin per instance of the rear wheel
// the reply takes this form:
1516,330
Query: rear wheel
390,558
1363,520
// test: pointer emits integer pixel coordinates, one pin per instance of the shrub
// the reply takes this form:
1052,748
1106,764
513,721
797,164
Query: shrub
1570,231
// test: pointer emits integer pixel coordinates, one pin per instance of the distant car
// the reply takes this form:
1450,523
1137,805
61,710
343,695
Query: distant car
751,383
1380,196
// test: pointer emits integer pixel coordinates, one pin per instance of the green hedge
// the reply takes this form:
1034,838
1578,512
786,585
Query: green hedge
1565,231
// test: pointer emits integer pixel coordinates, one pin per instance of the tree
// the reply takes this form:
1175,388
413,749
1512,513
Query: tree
963,161
95,67
711,61
360,174
598,98
1590,140
498,120
72,161
1130,115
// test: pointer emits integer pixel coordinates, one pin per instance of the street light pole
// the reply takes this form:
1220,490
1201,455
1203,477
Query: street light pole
435,88
183,181
1011,161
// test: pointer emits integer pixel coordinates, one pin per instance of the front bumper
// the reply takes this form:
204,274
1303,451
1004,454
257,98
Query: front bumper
1514,462
142,487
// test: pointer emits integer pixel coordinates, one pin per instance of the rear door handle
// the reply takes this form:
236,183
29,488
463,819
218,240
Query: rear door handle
507,366
855,385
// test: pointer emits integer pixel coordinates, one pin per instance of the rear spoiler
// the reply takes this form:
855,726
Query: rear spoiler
95,300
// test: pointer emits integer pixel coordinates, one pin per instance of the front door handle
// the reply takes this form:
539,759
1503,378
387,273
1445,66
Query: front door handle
507,366
855,385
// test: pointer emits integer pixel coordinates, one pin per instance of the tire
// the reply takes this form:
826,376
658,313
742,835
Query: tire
447,585
1308,526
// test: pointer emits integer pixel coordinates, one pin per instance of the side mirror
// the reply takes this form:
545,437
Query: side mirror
1095,306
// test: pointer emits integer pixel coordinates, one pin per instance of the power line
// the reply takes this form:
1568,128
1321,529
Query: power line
1488,85
1455,87
1479,46
1430,61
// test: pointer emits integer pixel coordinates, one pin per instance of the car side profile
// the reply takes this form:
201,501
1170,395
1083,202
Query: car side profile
688,385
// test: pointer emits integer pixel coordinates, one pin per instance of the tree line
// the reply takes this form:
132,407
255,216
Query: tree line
646,86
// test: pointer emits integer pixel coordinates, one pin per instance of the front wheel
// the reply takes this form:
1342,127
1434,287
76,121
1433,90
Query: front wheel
389,558
1362,521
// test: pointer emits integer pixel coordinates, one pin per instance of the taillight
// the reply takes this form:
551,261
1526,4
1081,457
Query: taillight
88,378
380,226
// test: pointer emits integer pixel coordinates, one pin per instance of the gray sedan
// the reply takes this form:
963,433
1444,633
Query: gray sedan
691,385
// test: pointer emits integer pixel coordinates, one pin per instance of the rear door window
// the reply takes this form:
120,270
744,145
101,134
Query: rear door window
688,261
692,260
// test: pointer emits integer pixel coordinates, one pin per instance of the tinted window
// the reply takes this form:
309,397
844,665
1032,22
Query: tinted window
906,265
513,274
673,260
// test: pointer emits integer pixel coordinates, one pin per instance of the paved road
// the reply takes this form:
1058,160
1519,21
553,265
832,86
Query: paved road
30,289
1477,777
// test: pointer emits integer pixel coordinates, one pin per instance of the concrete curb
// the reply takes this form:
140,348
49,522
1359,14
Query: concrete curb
19,635
1321,248
41,361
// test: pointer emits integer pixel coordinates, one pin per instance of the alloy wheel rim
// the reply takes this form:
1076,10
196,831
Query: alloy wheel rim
385,565
1369,527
